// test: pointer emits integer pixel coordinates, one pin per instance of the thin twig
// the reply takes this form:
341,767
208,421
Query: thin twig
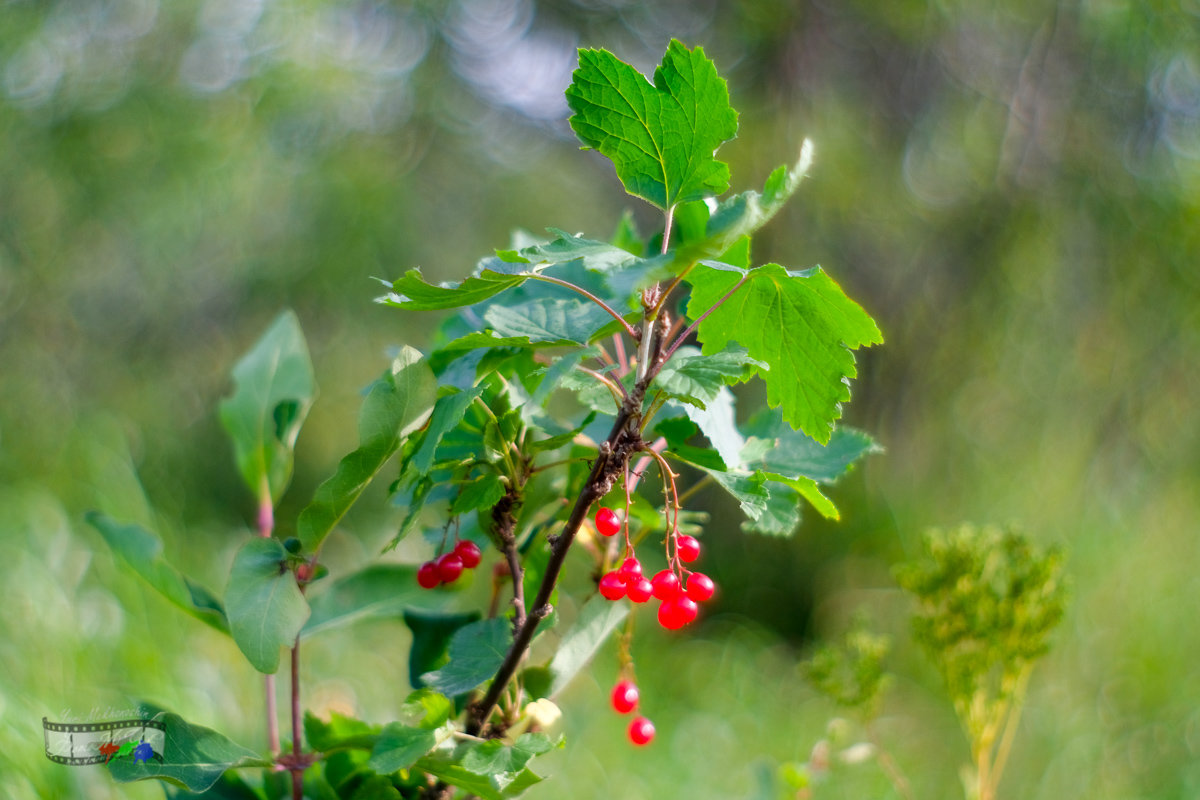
297,772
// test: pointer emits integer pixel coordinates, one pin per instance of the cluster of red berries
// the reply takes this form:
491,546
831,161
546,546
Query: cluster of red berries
679,596
624,700
447,567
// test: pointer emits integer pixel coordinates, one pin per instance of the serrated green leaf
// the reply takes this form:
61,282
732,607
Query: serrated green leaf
476,652
273,390
445,765
779,516
380,591
598,618
339,733
792,453
396,404
448,412
412,292
495,757
696,379
399,746
810,491
548,321
265,607
431,634
482,492
193,757
804,329
729,227
661,138
718,423
142,551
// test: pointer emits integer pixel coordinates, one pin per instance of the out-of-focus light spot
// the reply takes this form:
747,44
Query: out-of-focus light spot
32,75
213,63
936,170
1177,92
507,61
126,20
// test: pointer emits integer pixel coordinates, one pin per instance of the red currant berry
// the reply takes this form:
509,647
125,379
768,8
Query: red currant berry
469,553
630,570
673,614
304,573
688,549
624,697
640,590
666,585
607,522
427,575
641,731
611,586
449,567
700,587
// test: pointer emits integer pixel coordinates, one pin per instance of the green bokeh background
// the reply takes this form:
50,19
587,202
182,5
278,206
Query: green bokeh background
1011,189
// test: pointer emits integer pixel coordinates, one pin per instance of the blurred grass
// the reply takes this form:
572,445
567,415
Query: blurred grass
1011,189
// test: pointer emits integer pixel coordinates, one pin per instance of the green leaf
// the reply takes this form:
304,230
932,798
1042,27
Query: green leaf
718,422
376,787
779,515
598,618
476,652
399,746
790,452
661,137
431,634
340,733
413,293
142,550
380,591
482,492
737,217
445,765
804,328
696,379
551,321
265,607
193,757
229,786
396,404
495,757
447,414
273,390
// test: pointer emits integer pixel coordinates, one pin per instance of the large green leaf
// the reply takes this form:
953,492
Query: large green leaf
424,726
193,757
596,621
476,652
397,404
380,591
696,379
265,607
414,293
494,757
142,550
804,328
775,447
273,390
446,764
339,733
565,321
661,138
448,412
431,635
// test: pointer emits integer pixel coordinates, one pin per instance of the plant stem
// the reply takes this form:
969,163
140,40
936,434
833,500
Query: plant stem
297,772
266,526
1013,718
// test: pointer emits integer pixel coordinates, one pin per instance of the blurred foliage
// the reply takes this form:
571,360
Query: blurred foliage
1011,189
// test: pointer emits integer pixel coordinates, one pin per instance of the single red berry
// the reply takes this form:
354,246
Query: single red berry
630,570
641,731
469,553
607,522
640,590
700,587
666,585
427,575
449,567
673,614
624,697
611,586
304,573
688,549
